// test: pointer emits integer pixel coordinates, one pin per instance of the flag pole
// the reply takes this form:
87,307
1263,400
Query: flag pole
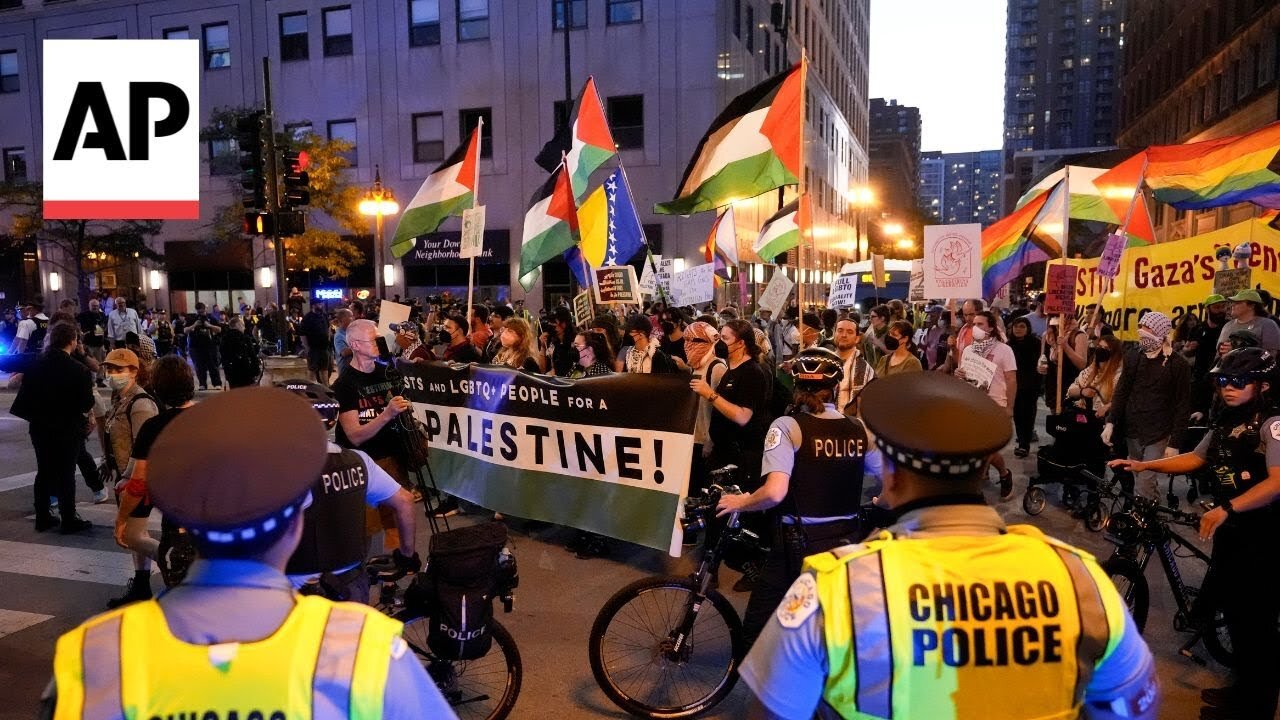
475,202
648,251
582,257
800,189
1133,202
1062,256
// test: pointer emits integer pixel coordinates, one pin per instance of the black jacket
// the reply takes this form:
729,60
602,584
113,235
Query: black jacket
55,394
1153,398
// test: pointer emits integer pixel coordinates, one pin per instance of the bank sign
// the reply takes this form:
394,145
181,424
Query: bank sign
121,129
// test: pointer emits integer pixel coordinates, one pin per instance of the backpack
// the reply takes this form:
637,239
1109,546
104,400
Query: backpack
465,572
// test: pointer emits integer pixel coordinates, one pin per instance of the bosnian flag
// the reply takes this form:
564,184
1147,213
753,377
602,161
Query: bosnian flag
752,148
584,145
784,230
447,191
550,224
722,244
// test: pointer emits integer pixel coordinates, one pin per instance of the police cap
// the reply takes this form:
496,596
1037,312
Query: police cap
934,424
241,494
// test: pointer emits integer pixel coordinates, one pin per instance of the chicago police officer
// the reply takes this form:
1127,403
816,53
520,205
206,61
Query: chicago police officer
234,640
949,613
813,470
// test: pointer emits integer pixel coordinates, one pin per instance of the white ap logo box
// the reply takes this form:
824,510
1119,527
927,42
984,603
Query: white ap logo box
121,129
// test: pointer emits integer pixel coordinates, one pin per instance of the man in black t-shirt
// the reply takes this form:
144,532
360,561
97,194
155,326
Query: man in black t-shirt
93,329
202,339
315,334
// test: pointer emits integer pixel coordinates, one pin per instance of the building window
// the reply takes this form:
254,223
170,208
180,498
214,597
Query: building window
626,119
15,165
178,33
751,29
577,17
293,37
298,131
224,157
467,120
337,31
621,12
424,23
737,19
428,137
217,46
346,130
9,71
473,19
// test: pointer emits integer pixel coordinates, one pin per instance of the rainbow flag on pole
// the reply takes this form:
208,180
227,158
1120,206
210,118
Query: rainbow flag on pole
1218,172
1026,236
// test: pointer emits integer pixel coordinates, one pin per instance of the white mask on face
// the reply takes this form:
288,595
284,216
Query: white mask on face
119,382
979,333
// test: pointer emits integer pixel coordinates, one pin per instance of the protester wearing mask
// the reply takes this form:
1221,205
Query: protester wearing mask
460,349
1026,352
645,356
411,348
900,354
1152,400
700,340
740,401
671,341
989,346
592,357
557,344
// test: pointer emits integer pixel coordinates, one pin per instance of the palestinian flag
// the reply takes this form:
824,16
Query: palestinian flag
585,144
447,191
784,230
551,223
752,148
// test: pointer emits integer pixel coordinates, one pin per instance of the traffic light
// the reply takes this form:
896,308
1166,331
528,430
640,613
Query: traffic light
253,175
297,183
286,223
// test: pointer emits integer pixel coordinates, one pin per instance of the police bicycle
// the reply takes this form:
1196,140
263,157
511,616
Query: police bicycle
667,646
1143,529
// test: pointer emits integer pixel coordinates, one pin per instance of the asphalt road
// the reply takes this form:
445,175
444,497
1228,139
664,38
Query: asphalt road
51,583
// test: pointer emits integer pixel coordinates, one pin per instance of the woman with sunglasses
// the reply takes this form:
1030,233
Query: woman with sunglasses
1242,449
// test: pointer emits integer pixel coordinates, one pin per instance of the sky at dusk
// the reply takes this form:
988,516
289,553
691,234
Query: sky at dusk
945,57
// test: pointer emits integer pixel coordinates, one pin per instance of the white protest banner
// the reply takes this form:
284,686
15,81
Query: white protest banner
695,285
649,277
774,297
472,232
977,370
844,289
666,268
953,261
391,312
916,292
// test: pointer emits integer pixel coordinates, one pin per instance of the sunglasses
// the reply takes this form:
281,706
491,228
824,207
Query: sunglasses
1238,383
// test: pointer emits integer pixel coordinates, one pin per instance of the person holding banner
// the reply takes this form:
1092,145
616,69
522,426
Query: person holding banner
592,356
645,356
989,365
700,339
813,470
516,346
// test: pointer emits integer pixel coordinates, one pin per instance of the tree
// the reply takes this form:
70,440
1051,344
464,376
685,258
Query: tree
331,197
112,244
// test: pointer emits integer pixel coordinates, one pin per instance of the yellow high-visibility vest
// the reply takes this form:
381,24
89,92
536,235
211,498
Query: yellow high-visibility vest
995,626
127,665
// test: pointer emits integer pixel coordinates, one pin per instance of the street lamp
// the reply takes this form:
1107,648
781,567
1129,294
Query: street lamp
860,198
378,202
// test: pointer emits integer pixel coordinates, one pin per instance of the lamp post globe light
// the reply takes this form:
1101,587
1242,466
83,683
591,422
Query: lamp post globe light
379,202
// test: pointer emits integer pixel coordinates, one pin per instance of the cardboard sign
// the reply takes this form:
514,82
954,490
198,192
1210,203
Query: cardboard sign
694,286
774,297
953,261
844,290
877,270
583,312
1229,282
1060,289
1109,263
649,277
916,293
472,232
977,370
617,285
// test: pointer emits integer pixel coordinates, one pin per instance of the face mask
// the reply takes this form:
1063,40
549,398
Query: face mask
1101,355
722,350
979,333
1148,341
891,343
444,338
119,382
586,357
1218,317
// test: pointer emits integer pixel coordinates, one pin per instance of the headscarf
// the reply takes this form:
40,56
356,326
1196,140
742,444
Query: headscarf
762,342
1153,330
699,340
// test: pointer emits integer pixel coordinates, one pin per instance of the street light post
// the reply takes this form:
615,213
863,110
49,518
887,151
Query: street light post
861,198
378,202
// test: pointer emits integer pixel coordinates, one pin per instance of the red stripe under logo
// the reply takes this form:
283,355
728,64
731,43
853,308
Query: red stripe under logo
122,209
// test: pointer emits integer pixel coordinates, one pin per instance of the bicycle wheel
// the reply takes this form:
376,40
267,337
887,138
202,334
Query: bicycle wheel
1033,500
481,689
1217,641
635,659
1132,584
1095,516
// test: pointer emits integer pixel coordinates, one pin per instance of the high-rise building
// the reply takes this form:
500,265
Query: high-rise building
895,154
1198,70
1062,67
961,187
406,80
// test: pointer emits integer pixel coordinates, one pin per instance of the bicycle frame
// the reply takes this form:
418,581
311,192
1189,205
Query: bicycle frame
707,569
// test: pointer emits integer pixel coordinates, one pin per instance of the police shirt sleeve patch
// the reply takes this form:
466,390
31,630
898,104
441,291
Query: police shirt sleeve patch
800,603
1275,430
774,437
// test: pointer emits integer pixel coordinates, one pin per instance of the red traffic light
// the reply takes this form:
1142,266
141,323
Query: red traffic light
302,162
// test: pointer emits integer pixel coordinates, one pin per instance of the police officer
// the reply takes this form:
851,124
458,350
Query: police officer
813,472
949,613
1242,451
234,640
334,545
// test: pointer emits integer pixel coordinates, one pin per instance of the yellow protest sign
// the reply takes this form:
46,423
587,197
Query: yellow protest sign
1173,277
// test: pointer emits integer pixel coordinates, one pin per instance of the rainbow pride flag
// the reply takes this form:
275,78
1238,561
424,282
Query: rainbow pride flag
1023,237
1217,172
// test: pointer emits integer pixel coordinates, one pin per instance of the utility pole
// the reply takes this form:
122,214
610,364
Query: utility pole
273,205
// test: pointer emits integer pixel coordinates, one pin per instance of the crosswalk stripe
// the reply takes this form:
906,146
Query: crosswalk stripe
106,567
12,621
21,480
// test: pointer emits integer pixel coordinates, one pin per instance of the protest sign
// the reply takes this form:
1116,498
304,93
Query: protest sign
844,289
977,370
389,313
1109,263
877,270
472,232
1059,290
1229,282
617,285
583,312
694,286
953,261
916,291
774,297
649,276
596,454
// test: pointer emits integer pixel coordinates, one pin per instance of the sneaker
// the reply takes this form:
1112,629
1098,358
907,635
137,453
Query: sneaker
448,507
750,577
101,496
1006,485
139,588
74,524
53,503
1021,452
46,522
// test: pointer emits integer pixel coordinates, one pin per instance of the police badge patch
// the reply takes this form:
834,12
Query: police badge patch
800,603
774,438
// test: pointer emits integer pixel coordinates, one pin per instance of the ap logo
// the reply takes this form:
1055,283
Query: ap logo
121,129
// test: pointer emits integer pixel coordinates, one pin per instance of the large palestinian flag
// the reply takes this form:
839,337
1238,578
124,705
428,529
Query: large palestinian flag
752,148
447,191
550,224
584,145
784,230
